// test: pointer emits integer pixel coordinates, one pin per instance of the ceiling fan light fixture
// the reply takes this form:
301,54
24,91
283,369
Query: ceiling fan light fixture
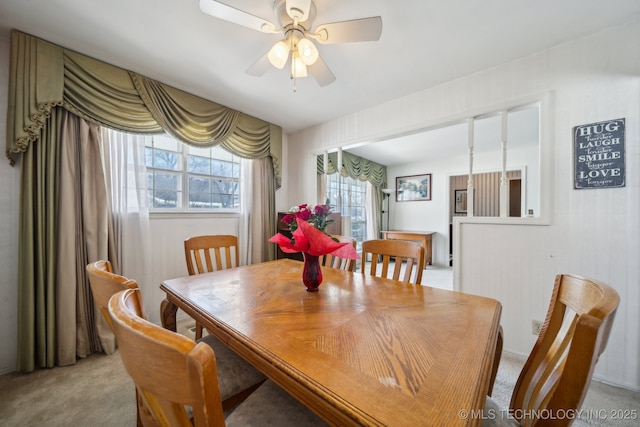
295,20
298,68
279,54
307,51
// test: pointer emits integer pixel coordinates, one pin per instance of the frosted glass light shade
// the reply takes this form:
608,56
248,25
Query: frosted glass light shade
298,69
307,51
279,54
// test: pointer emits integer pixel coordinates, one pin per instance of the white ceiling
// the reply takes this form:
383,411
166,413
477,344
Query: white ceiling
423,43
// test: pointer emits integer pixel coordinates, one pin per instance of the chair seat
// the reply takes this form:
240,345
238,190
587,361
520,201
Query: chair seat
258,410
495,416
234,373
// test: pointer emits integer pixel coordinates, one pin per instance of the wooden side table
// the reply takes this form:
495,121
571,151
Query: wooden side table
424,237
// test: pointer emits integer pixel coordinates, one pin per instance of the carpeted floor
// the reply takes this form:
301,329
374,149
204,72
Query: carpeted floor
97,392
604,404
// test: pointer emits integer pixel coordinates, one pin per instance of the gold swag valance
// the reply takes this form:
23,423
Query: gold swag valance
43,75
355,167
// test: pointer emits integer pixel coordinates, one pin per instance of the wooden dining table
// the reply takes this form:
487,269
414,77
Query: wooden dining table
362,350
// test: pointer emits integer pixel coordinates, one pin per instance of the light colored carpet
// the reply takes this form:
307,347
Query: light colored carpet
98,392
604,405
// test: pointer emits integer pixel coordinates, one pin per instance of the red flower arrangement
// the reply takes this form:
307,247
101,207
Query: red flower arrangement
308,225
318,216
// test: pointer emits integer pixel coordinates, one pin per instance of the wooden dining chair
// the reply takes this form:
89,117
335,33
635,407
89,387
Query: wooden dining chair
496,360
402,251
239,378
556,376
333,261
104,284
209,253
177,379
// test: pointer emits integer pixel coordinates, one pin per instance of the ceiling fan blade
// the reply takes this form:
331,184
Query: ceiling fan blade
260,67
357,30
298,9
236,16
321,73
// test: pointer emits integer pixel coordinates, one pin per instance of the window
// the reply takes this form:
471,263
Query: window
209,177
353,194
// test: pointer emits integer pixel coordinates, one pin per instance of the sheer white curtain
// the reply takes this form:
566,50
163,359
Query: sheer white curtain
126,181
257,218
246,196
372,212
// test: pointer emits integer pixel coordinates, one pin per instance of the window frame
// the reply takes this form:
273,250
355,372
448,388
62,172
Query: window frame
346,185
184,175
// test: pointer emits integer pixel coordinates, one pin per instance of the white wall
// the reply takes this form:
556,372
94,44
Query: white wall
432,215
593,233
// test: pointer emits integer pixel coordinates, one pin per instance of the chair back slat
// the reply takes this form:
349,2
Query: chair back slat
575,332
337,262
209,253
398,251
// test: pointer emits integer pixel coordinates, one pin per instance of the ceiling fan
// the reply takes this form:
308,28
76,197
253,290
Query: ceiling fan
295,22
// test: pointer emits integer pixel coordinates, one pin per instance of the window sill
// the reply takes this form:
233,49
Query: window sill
501,220
192,214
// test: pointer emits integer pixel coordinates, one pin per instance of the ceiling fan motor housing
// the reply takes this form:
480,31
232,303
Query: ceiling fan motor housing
287,11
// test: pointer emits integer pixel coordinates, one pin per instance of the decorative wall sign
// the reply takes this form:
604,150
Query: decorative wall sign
599,154
414,187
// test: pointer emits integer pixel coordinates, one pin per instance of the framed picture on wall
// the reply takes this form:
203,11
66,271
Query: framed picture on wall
413,188
460,202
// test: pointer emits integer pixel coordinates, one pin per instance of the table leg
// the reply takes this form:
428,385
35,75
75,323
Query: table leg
168,312
427,252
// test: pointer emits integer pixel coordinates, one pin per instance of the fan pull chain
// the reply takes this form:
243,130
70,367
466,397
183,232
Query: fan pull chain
293,77
293,65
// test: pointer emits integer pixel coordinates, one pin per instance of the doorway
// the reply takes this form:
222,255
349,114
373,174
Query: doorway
515,197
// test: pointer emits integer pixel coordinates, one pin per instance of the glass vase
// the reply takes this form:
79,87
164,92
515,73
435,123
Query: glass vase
311,273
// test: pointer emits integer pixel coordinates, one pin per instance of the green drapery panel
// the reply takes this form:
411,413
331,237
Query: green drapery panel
43,75
355,167
38,237
35,86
